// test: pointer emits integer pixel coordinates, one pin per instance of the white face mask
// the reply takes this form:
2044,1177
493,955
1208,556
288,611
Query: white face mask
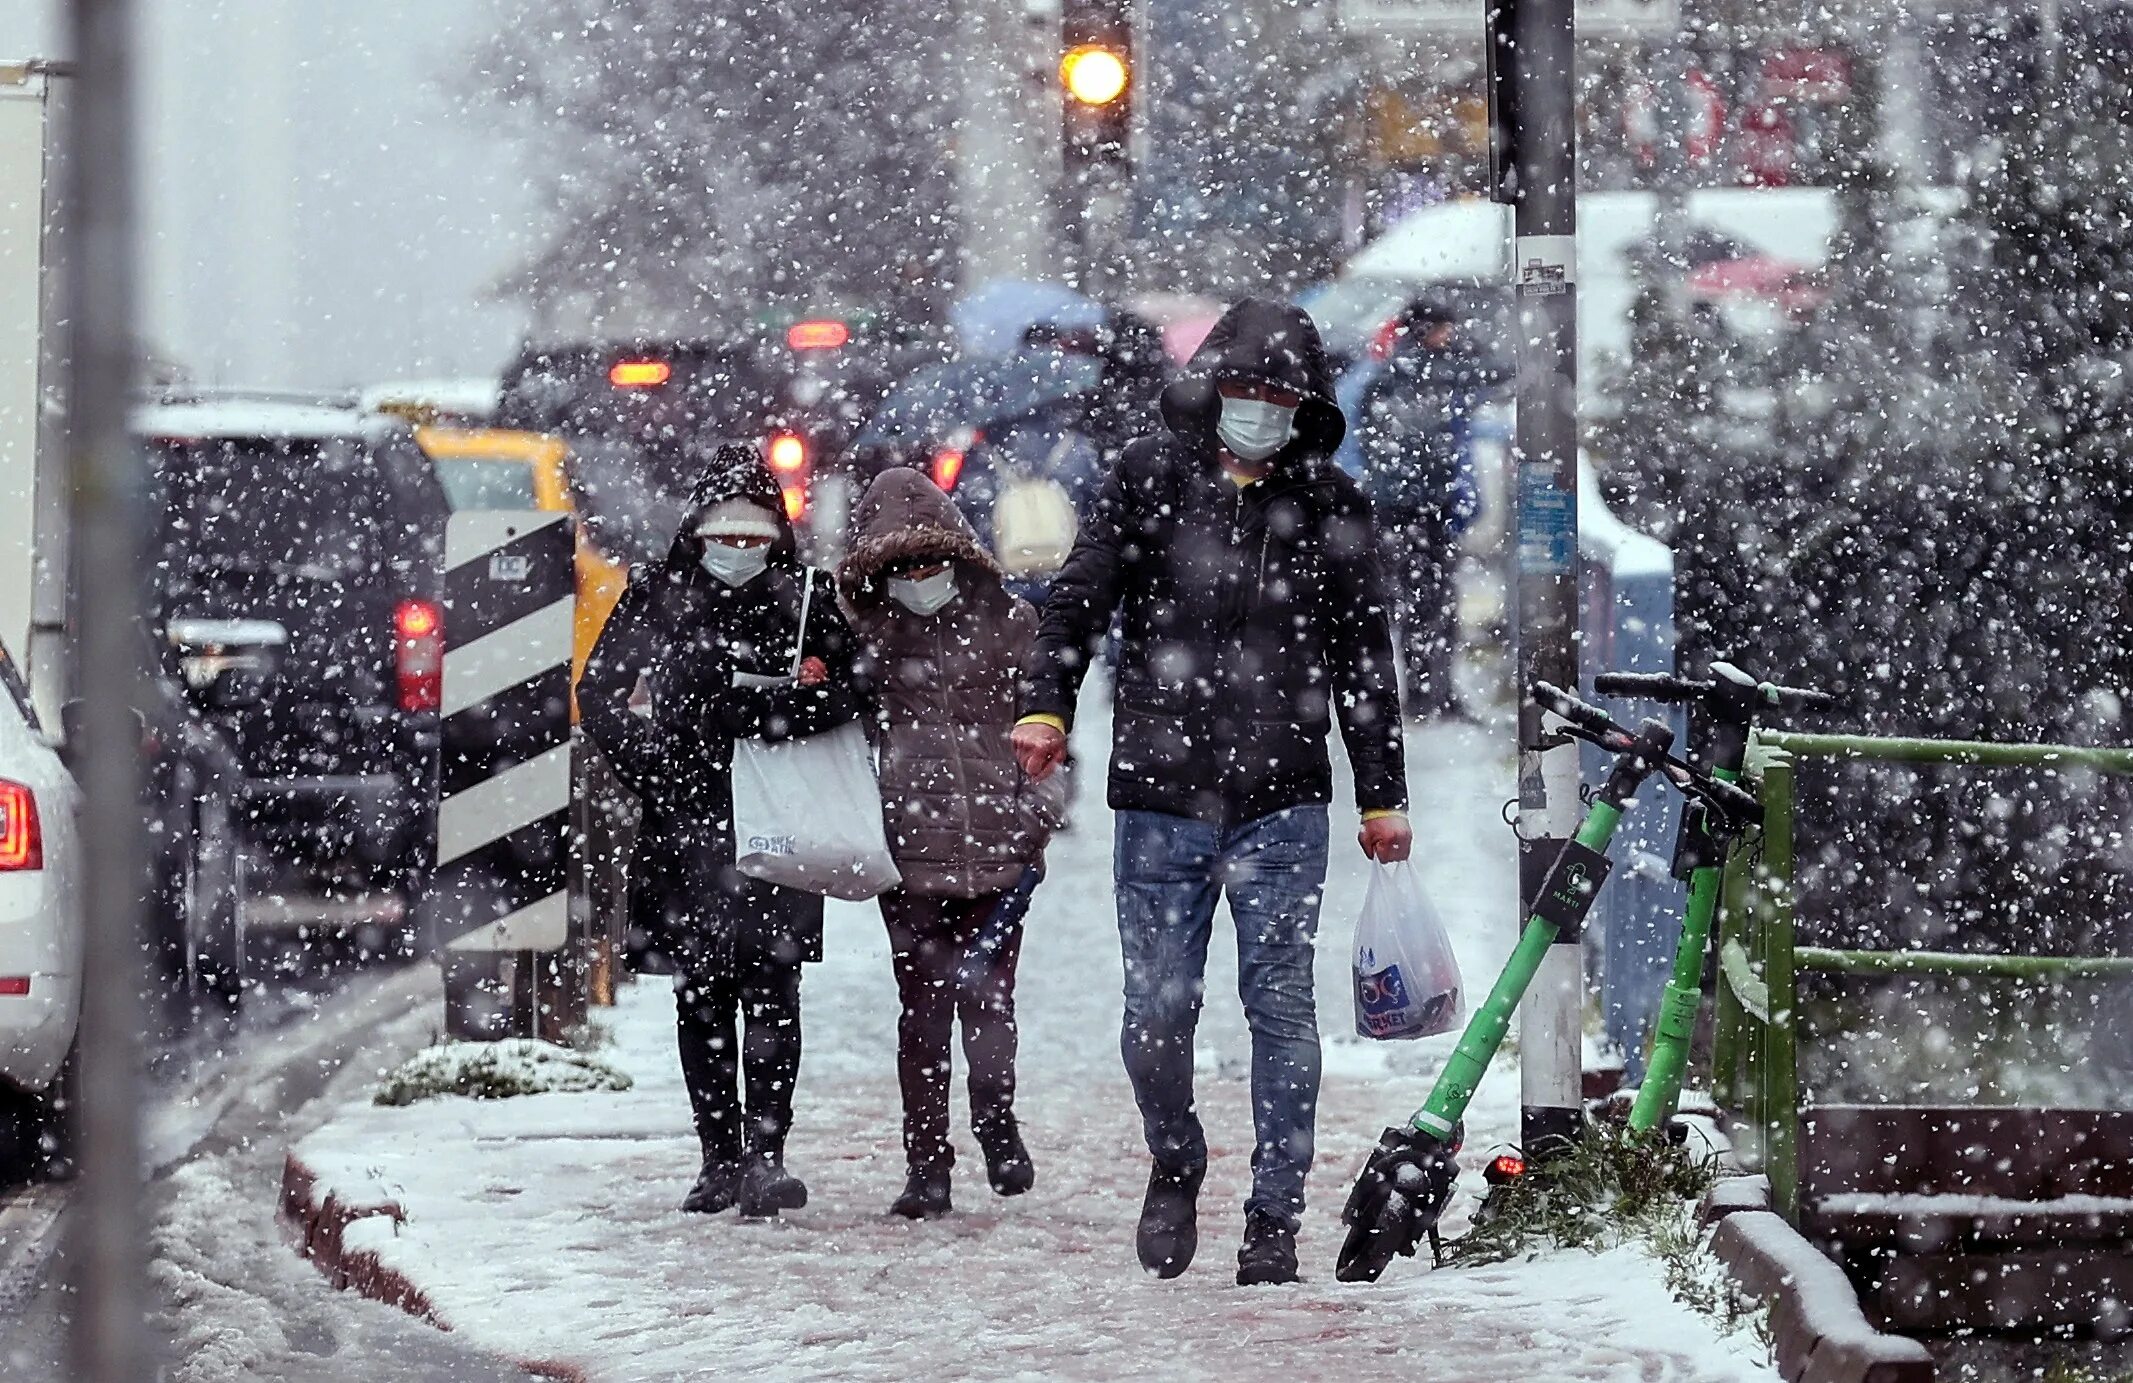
925,595
736,566
1254,429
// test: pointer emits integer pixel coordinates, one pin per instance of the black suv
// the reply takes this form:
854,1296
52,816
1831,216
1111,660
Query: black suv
308,537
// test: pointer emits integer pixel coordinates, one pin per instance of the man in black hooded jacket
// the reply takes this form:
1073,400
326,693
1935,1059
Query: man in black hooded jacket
1243,565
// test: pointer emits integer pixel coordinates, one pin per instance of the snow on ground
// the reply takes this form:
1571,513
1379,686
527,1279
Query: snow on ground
546,1227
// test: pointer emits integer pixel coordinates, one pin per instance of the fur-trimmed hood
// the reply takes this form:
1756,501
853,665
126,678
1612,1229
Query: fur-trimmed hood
904,516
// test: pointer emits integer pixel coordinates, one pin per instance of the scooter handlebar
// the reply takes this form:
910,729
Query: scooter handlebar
1582,714
1797,698
1650,686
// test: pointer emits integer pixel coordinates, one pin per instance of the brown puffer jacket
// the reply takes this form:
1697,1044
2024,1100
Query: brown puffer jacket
963,821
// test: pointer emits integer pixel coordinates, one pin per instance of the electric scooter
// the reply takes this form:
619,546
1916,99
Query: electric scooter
1731,700
1407,1182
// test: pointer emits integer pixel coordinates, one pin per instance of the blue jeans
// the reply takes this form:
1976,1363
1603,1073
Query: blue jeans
1171,870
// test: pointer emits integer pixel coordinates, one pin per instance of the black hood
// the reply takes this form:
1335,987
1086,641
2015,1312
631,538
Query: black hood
732,472
1275,343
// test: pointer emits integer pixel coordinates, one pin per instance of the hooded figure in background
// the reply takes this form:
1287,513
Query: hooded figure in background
1242,565
947,648
698,652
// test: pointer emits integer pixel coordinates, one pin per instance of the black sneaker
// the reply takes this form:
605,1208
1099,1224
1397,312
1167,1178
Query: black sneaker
1007,1163
767,1188
1170,1220
925,1194
717,1188
1268,1255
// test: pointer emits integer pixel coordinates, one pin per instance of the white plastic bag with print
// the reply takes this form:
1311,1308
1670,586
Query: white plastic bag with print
1406,977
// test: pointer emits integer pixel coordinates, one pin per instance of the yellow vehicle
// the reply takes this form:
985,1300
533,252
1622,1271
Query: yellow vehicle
498,468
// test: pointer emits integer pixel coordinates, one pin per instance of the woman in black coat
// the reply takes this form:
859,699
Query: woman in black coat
709,636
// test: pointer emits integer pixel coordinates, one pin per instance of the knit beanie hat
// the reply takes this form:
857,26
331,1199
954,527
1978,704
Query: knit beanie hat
737,518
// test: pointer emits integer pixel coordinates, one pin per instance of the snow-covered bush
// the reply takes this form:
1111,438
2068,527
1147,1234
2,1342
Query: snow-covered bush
496,1071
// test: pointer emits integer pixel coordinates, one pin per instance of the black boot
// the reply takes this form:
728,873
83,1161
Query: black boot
717,1188
1170,1219
1007,1163
767,1188
925,1194
1269,1252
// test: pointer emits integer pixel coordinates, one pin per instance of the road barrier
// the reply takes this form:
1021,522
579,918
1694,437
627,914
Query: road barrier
1947,1218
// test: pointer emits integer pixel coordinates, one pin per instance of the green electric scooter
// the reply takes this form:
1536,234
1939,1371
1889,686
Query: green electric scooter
1730,702
1407,1183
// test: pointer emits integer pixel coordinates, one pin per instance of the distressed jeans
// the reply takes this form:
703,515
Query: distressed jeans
1171,871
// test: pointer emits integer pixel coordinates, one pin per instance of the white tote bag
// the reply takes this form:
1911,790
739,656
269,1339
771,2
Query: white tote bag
1406,977
807,812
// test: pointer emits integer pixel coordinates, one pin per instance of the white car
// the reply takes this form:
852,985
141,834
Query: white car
40,908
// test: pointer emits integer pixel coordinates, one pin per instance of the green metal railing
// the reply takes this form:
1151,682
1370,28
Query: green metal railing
1755,1056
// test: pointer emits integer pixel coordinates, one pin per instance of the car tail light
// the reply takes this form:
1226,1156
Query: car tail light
21,834
788,455
948,467
639,374
817,336
1387,337
14,986
418,655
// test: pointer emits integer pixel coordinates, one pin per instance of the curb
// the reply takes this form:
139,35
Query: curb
1819,1333
318,1221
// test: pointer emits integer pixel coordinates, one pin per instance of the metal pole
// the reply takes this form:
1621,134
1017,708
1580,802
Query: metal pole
109,1235
1532,47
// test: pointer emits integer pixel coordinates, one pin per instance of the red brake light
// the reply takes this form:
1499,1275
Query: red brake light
14,986
817,336
788,454
639,374
795,501
947,467
418,655
1387,335
1505,1167
21,834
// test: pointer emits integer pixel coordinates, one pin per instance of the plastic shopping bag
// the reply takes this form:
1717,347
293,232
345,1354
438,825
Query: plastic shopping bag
807,814
1406,977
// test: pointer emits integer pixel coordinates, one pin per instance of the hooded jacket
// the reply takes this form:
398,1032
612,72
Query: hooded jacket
1252,618
684,634
963,821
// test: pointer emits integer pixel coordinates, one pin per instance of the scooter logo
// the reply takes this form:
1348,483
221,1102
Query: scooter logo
772,845
1575,886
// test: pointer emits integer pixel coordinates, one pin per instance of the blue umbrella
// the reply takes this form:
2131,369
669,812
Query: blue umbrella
990,322
936,401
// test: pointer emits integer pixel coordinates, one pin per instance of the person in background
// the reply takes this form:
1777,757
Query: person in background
1416,439
706,640
947,649
1242,565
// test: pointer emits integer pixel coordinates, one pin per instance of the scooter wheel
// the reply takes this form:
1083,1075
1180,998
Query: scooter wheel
1372,1243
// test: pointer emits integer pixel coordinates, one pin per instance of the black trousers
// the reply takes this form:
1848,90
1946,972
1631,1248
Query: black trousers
954,957
1420,559
757,988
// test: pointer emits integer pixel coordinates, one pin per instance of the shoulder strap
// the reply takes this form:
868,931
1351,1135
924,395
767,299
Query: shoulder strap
799,640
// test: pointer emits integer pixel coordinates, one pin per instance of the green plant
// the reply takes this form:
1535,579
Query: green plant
1611,1185
495,1071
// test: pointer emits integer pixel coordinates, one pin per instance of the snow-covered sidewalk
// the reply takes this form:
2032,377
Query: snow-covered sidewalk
545,1227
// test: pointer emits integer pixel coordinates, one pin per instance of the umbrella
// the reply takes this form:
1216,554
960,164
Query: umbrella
990,322
936,401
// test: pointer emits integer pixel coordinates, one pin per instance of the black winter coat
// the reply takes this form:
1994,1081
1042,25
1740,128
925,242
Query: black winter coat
686,634
1252,618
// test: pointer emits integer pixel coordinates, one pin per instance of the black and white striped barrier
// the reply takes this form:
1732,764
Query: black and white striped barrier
504,815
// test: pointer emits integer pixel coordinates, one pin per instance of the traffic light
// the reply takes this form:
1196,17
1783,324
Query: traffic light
1096,80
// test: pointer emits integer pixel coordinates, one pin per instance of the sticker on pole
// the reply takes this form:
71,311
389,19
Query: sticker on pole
1547,265
1547,522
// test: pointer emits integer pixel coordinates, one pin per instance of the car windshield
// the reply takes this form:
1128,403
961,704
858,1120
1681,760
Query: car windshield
487,484
311,507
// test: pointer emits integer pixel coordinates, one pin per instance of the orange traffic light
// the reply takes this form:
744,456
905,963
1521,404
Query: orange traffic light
1094,74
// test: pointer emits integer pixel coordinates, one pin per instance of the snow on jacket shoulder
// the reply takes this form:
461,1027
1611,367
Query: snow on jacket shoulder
963,820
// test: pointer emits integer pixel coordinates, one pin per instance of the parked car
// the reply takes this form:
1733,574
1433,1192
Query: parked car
40,928
316,530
